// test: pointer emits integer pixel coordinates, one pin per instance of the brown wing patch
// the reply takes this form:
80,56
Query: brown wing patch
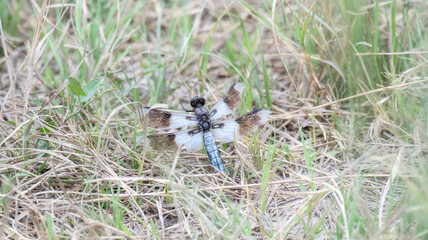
158,118
162,141
232,97
248,121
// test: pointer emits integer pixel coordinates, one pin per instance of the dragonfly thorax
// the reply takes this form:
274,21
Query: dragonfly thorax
204,122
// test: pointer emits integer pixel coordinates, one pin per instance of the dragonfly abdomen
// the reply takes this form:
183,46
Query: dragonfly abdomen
212,151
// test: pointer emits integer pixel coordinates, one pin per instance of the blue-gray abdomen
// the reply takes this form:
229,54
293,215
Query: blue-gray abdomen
212,151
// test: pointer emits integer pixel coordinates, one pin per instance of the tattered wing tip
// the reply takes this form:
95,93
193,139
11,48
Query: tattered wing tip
238,86
264,115
146,110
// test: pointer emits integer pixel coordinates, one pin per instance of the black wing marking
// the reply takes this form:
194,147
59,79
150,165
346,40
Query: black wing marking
164,119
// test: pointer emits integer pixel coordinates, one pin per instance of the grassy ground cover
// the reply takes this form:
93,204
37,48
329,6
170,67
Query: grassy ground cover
344,154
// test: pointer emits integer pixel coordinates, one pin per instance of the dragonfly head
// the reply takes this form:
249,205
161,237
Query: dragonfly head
197,102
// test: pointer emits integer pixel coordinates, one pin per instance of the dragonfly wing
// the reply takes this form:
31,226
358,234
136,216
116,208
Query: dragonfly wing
229,130
164,119
192,140
228,103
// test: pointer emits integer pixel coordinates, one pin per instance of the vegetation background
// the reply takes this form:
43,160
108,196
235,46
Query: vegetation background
344,154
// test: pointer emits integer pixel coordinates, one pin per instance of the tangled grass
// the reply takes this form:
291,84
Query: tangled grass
344,154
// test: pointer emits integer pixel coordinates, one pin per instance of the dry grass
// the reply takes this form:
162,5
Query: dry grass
343,156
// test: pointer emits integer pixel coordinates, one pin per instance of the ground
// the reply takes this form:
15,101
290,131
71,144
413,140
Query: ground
343,155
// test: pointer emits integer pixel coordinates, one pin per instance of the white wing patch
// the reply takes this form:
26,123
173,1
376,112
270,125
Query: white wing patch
191,142
228,133
228,103
179,120
220,109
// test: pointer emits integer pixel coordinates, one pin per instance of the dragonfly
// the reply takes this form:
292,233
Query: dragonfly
203,127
